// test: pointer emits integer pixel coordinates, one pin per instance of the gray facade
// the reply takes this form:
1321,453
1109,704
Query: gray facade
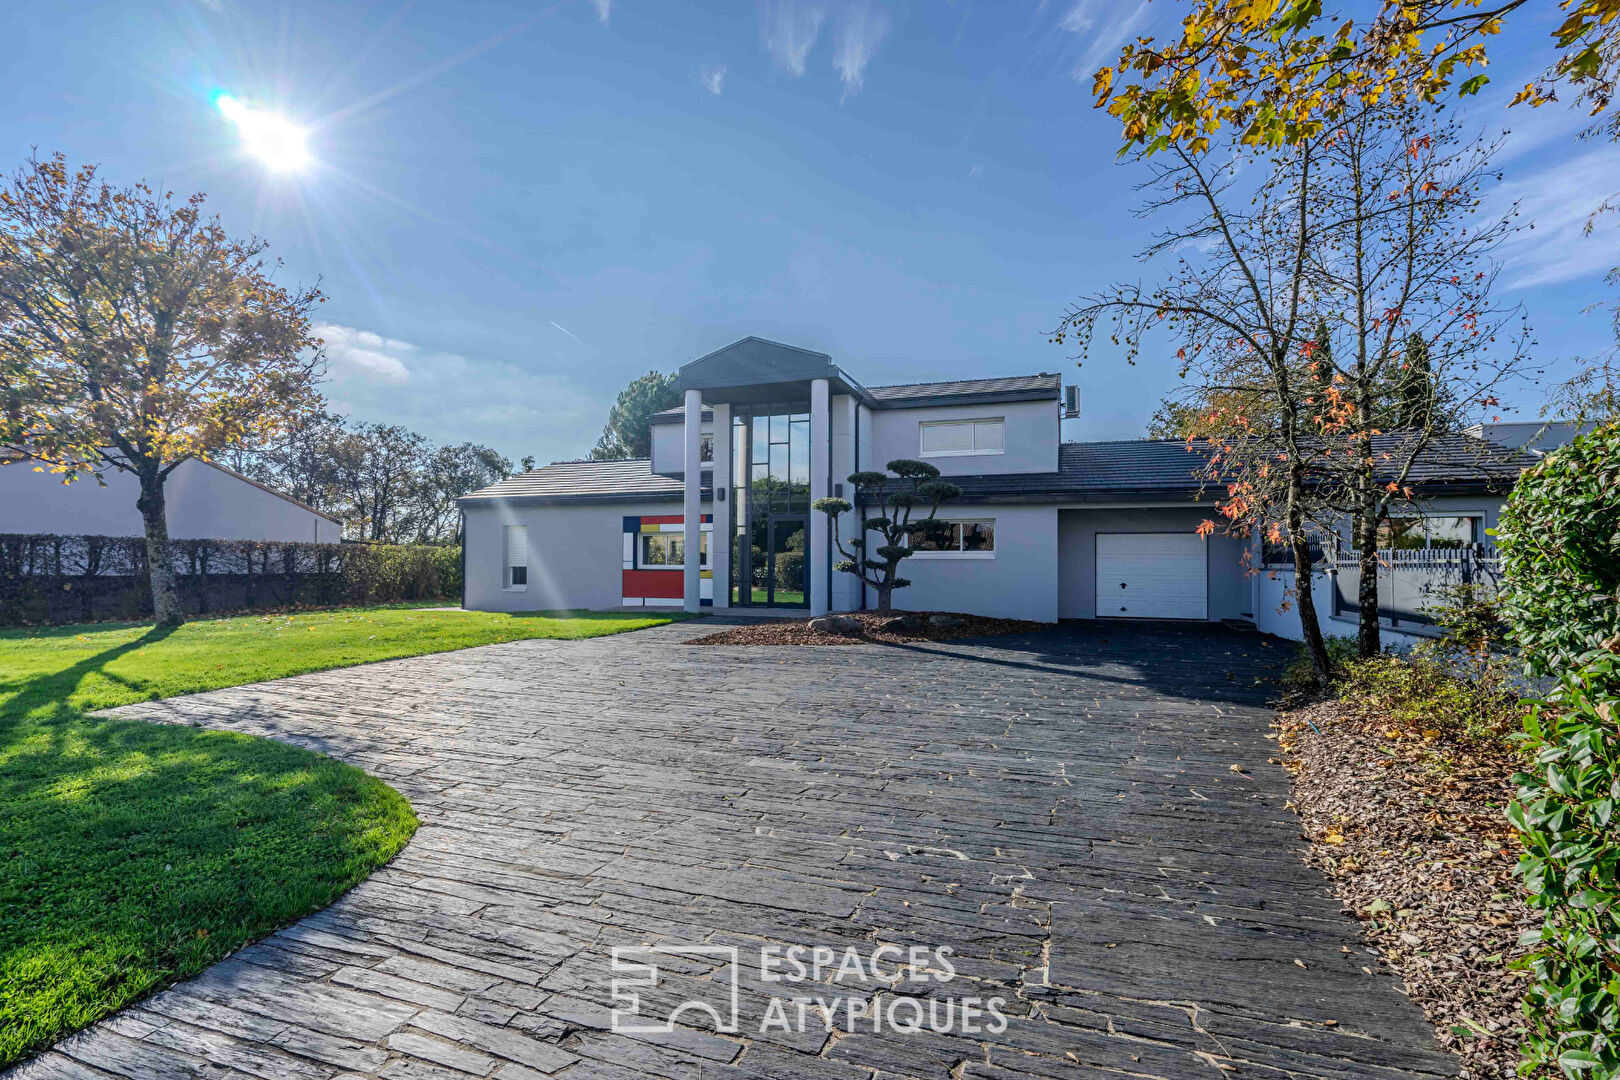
767,429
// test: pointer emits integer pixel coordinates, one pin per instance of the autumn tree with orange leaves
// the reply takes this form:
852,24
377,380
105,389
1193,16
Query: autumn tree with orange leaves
135,333
1294,283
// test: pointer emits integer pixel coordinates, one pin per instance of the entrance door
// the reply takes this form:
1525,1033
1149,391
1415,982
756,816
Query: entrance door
1152,576
785,558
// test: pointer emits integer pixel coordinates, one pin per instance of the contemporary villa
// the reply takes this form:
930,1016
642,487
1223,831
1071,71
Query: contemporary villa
1044,529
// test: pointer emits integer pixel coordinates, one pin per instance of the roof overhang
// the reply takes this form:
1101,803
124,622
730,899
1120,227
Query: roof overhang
755,371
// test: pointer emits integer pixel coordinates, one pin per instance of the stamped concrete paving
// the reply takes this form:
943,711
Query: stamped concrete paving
1061,810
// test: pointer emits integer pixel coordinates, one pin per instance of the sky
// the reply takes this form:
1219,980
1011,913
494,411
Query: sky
516,208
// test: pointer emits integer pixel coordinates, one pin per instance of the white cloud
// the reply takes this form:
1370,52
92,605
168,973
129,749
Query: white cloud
360,354
860,28
604,8
1105,25
788,29
1556,203
511,404
713,79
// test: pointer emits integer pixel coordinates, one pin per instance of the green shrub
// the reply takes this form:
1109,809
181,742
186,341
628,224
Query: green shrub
1436,685
1565,815
1560,541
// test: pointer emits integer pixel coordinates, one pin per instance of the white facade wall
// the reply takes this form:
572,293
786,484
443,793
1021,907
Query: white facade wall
1031,429
205,502
1229,593
1019,582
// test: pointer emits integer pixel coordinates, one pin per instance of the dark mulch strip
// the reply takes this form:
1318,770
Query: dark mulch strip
871,631
1408,823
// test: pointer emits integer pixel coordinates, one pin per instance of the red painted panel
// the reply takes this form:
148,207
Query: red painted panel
664,584
663,519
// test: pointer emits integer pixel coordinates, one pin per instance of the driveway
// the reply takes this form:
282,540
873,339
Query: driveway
1086,818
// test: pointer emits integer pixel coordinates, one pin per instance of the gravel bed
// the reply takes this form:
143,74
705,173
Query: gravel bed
873,627
1409,825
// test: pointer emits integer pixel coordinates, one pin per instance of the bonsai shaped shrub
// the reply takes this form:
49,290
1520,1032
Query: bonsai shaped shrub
1560,543
918,485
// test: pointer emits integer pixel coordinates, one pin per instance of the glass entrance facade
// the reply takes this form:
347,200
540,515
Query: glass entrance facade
772,490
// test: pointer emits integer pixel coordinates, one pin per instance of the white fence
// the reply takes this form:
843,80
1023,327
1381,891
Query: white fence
1409,587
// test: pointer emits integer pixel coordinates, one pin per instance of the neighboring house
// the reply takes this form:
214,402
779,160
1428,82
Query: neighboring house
1043,529
205,501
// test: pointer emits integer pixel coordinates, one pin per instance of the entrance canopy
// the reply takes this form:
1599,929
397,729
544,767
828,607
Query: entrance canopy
754,370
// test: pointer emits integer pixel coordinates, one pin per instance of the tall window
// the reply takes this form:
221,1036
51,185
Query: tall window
778,461
942,438
517,556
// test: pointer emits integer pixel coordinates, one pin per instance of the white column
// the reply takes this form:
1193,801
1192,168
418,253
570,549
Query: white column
692,588
720,539
820,444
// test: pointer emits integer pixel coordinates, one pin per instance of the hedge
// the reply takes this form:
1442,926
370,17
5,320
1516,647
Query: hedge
47,579
1560,541
1559,538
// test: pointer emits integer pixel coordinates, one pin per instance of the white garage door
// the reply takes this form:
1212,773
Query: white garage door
1151,576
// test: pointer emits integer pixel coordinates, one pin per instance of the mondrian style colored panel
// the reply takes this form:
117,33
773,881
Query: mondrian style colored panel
659,586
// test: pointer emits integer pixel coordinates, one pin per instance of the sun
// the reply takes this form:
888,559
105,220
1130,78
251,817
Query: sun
276,141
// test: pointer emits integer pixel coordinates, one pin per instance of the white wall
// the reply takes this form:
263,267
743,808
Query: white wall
204,503
1020,582
1031,435
1229,591
576,554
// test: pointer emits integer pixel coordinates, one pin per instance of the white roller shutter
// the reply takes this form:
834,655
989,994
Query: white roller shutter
1152,576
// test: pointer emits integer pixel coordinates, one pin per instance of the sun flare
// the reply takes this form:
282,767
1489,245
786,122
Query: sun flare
276,141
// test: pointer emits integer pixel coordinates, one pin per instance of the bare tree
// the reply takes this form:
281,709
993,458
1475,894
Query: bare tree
1411,343
1341,294
1237,296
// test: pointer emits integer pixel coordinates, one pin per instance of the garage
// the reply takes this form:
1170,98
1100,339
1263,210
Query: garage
1152,576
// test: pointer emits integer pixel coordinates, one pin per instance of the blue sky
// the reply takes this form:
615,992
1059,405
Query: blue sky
516,208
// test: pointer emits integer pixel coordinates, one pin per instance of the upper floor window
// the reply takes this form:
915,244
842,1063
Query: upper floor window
944,437
706,447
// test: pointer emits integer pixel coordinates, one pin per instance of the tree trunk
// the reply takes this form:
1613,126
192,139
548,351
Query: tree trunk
1368,642
884,594
159,567
1304,592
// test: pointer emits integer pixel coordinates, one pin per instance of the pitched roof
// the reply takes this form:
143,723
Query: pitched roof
920,395
1139,469
583,481
966,391
1156,468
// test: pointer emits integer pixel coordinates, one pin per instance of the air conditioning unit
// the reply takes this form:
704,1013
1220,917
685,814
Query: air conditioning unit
1071,402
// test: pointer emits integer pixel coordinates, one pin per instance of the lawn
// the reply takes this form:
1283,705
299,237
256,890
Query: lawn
134,854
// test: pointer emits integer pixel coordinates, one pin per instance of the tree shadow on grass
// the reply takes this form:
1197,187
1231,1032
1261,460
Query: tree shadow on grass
133,854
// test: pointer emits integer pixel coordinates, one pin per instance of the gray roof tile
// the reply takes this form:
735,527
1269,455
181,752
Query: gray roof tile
1035,387
584,481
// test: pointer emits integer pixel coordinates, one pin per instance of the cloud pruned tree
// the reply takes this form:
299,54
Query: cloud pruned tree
135,333
915,485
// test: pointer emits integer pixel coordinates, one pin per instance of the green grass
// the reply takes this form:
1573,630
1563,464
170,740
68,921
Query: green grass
133,854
